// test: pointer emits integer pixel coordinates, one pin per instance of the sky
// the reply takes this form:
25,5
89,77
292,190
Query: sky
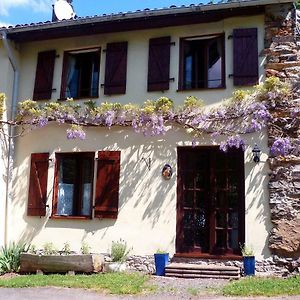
13,12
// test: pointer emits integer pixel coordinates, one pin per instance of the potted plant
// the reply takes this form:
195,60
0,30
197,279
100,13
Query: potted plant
118,254
248,260
161,259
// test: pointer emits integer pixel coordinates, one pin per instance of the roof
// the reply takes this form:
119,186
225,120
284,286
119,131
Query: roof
137,20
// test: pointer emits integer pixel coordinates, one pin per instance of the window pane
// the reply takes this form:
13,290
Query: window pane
66,186
95,76
72,83
215,65
87,187
188,72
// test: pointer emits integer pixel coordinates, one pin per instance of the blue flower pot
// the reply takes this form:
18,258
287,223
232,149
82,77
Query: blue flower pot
161,260
249,265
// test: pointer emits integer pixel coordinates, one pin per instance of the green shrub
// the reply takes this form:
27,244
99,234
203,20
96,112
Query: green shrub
85,248
119,251
10,257
49,249
66,250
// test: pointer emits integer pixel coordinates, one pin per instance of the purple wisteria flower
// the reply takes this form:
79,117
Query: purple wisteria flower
281,146
42,122
232,142
75,132
295,111
121,118
272,95
109,117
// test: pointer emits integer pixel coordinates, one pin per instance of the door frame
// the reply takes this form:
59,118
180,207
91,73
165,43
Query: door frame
241,210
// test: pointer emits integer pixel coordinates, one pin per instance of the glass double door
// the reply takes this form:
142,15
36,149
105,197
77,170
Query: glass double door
210,201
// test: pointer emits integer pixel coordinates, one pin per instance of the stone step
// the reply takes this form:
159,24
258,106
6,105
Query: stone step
205,272
184,270
201,267
191,276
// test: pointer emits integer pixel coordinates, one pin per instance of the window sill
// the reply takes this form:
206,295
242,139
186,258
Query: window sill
54,217
201,89
79,98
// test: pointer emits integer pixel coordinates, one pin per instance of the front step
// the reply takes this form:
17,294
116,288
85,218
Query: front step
201,271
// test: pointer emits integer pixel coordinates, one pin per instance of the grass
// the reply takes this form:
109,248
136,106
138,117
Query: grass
257,286
113,283
134,283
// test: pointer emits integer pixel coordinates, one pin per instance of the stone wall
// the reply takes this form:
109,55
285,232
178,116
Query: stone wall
283,60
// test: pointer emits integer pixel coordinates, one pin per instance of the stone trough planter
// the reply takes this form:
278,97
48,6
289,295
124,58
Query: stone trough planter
83,263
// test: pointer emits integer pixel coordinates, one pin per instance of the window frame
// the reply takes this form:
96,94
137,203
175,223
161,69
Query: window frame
78,199
182,42
65,71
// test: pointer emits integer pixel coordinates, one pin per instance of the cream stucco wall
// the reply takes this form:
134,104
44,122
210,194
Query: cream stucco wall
6,82
147,216
6,87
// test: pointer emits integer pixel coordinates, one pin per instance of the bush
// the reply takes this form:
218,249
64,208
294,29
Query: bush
49,249
10,257
119,251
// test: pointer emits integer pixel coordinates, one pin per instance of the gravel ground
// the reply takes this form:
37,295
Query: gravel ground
186,287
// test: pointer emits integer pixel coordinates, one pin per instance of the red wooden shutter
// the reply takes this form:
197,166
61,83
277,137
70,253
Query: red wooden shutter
116,68
107,184
44,75
245,56
159,64
37,197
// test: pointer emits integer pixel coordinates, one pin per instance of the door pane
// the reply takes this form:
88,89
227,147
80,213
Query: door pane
221,239
189,180
233,239
189,199
188,238
188,219
200,199
201,230
221,219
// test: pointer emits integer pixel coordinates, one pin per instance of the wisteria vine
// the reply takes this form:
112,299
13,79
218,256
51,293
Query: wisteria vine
246,112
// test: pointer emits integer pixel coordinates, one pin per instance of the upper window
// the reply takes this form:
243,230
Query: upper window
80,77
74,184
202,62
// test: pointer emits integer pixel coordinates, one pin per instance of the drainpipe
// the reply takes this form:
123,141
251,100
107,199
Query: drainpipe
11,129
